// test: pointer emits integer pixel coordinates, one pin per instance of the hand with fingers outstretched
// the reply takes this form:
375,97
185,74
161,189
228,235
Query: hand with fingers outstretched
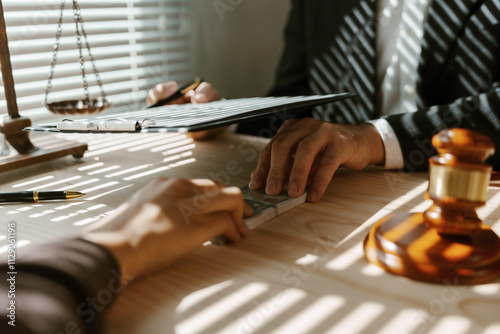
309,151
204,93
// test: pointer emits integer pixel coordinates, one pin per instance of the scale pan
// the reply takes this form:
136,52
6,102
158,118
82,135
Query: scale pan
77,107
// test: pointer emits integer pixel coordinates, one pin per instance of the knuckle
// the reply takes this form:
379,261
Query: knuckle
281,143
329,159
263,155
277,171
180,182
301,170
308,144
260,172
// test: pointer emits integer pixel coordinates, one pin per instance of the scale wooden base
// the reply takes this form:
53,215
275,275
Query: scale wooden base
26,153
41,154
448,243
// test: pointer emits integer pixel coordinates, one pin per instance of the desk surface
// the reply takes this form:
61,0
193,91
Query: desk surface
302,272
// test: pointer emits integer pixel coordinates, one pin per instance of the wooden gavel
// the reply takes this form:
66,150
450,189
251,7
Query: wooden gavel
448,242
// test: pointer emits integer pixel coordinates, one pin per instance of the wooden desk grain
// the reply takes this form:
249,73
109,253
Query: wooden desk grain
303,272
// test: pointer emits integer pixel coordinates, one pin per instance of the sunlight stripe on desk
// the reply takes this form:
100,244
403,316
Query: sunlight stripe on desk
104,170
129,170
87,221
346,259
173,145
79,184
47,185
220,309
160,169
19,244
178,156
180,149
123,143
267,311
359,319
67,206
451,324
202,294
372,270
84,168
107,193
150,172
492,329
45,178
320,310
77,213
490,208
487,289
116,139
392,207
407,319
151,144
105,185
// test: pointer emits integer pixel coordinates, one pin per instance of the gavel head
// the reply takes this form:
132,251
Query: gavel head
458,180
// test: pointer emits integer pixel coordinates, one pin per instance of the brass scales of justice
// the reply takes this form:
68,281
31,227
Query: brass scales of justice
12,126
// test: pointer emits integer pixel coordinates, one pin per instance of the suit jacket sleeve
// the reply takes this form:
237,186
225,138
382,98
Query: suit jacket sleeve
415,130
60,288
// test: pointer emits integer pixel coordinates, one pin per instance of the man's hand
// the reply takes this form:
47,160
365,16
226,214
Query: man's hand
309,151
204,93
168,219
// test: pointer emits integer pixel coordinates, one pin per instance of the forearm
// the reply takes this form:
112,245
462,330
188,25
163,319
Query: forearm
62,287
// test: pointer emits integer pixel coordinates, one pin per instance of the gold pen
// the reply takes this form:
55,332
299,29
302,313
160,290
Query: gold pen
35,196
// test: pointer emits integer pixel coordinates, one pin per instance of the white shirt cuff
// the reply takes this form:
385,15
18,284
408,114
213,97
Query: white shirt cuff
393,153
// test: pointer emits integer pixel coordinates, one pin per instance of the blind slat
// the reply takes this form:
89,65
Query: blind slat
136,44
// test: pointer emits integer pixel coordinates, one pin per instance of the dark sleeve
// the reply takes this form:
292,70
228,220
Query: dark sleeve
414,131
291,75
63,287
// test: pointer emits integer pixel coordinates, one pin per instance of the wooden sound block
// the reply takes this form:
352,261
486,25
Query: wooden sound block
405,245
41,153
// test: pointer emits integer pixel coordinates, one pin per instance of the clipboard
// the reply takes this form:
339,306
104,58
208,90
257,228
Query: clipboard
191,117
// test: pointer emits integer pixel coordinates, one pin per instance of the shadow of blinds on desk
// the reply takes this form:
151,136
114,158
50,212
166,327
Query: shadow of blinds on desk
191,117
115,167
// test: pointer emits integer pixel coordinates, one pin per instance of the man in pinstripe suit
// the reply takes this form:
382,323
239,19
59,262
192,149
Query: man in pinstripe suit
365,46
417,66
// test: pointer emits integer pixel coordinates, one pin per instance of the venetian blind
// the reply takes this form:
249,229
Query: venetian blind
136,44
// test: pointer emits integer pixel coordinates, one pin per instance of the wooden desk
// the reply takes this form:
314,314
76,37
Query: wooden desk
303,272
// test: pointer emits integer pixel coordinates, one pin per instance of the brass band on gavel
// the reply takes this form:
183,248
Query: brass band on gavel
459,183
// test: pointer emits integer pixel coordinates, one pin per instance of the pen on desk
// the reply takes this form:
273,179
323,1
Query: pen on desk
179,93
35,196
